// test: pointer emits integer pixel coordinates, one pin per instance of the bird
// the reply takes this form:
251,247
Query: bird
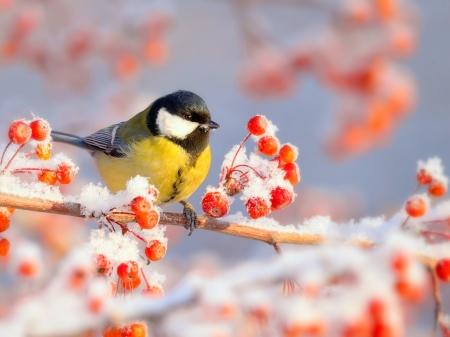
168,142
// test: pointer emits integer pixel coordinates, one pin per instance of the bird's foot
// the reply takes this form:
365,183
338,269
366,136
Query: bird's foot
191,216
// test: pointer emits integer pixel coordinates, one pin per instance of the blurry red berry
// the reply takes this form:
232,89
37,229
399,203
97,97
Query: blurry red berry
112,332
215,204
4,219
127,270
155,250
65,173
257,207
292,173
43,151
280,198
443,269
19,132
134,330
102,264
377,309
436,188
423,177
28,268
148,220
416,207
257,125
408,290
288,153
47,177
268,145
153,291
4,247
401,262
140,205
40,129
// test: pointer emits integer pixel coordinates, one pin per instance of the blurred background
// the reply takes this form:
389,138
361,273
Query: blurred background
362,95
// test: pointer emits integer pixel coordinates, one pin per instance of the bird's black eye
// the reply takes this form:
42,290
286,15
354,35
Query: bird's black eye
187,117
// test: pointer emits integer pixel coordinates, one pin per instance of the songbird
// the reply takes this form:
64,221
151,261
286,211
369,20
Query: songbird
168,143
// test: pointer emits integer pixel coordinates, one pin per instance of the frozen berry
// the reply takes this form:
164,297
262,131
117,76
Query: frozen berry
134,330
131,283
443,269
268,145
416,206
40,129
4,219
257,125
153,291
155,250
43,151
127,270
102,264
215,204
148,220
288,153
232,186
47,177
423,177
19,132
65,173
436,188
257,207
140,205
280,198
4,247
292,173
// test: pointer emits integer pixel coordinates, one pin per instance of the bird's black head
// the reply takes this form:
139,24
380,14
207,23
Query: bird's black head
184,118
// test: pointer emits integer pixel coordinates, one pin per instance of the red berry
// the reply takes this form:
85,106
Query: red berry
215,204
4,247
153,291
28,268
65,173
423,177
443,269
102,264
377,309
131,283
288,153
280,198
96,304
401,262
134,330
4,219
232,186
112,332
268,145
47,177
19,132
43,151
149,220
292,173
140,205
436,188
40,129
155,250
257,207
409,290
127,270
416,207
257,125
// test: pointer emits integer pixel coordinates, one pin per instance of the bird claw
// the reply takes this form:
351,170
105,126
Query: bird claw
191,217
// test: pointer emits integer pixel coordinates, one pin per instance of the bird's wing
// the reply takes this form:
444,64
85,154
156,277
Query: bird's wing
107,141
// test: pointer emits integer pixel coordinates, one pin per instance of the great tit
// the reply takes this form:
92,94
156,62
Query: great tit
168,142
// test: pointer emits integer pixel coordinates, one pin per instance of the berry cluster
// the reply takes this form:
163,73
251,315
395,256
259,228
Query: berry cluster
29,38
36,132
132,330
430,174
266,185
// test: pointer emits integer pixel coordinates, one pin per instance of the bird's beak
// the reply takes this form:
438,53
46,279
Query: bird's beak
213,125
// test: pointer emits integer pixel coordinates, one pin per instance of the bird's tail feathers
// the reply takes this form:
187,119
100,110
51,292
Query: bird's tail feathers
62,137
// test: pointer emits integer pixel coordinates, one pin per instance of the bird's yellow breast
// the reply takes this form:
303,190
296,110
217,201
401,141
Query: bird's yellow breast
166,165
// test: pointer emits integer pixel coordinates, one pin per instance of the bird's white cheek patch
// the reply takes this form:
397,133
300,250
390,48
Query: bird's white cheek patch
173,125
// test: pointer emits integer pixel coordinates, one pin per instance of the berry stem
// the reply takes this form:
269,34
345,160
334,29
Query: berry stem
417,188
145,278
4,151
251,168
404,222
444,235
14,155
126,229
428,237
30,170
239,149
